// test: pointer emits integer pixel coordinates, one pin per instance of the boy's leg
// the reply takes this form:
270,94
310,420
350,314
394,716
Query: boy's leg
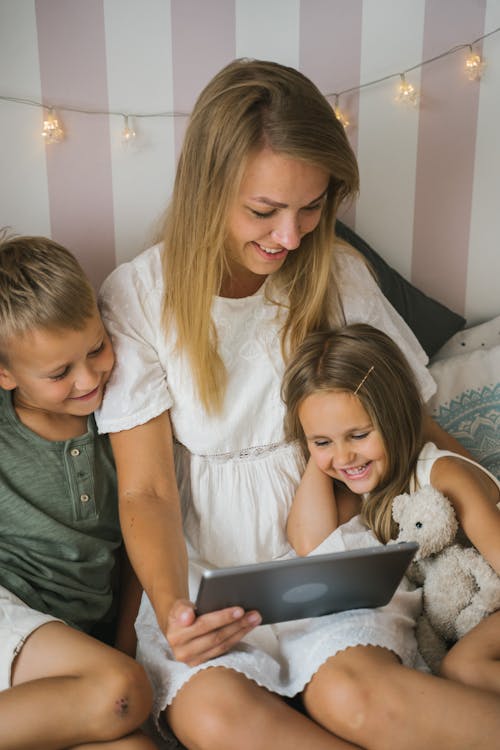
366,696
475,659
135,741
220,709
69,689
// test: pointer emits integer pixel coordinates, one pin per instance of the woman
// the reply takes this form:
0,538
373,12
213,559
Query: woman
202,325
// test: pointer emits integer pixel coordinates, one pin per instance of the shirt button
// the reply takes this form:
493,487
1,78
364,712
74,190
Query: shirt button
84,498
74,452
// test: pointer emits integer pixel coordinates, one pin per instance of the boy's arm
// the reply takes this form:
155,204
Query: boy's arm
130,592
313,515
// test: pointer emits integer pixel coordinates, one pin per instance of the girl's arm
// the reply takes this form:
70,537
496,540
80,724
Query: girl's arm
313,515
151,521
474,496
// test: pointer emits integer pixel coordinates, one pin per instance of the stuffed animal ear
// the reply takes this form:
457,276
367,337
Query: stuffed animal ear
398,506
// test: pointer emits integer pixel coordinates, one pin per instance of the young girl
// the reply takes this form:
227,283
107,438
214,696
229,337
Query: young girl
353,402
202,324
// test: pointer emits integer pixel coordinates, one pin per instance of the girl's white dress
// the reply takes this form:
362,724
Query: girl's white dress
236,475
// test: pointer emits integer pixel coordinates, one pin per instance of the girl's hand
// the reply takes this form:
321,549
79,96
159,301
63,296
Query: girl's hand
194,640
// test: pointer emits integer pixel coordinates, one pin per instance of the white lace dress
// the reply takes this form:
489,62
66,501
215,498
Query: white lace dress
236,474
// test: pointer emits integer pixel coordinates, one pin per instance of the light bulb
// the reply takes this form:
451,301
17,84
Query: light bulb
52,131
339,114
406,92
128,133
474,66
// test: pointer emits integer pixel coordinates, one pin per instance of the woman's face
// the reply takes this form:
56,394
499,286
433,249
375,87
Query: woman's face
279,201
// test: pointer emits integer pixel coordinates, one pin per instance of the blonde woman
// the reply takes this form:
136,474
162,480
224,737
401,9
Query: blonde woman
202,326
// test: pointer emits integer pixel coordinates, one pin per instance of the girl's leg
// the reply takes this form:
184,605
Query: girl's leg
475,659
69,689
364,695
220,709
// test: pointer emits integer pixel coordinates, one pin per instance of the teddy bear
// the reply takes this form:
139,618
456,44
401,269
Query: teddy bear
459,587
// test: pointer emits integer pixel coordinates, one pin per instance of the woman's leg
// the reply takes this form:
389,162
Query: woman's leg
68,689
475,659
220,709
364,695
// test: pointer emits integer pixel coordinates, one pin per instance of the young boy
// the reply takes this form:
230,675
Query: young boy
59,528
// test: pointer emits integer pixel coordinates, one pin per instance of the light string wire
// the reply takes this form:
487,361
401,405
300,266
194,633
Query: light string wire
335,95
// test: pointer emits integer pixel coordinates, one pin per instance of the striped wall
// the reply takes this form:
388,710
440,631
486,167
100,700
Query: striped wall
430,175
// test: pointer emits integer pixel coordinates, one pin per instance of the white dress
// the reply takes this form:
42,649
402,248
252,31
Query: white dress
429,455
236,475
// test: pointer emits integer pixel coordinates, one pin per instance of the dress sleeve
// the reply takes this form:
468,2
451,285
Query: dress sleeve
363,302
130,304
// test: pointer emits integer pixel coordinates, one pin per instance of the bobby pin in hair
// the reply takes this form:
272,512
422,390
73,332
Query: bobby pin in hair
363,379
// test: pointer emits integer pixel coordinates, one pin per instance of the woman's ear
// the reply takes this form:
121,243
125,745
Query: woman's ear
7,381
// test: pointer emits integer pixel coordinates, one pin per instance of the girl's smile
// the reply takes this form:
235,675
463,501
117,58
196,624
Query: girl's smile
342,439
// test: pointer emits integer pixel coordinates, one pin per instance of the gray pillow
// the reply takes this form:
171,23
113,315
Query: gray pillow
432,322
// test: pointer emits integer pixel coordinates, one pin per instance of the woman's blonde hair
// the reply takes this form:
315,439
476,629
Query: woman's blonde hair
361,359
247,106
41,286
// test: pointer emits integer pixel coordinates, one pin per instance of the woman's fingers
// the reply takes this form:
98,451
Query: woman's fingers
197,639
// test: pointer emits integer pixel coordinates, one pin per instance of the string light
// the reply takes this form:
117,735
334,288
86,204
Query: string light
407,93
474,65
474,70
53,132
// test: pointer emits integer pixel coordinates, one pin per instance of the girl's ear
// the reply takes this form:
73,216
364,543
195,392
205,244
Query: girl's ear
7,381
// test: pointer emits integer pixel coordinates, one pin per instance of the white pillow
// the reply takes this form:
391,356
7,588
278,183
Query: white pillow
483,336
467,402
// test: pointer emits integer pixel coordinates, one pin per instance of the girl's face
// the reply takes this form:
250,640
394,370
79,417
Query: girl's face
343,441
279,201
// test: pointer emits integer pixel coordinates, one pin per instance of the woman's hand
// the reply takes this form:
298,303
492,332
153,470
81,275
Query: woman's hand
194,640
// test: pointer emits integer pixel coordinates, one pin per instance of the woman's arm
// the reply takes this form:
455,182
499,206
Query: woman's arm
434,433
151,522
474,497
313,515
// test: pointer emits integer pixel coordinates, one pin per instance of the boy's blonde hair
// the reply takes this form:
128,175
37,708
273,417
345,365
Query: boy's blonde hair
249,105
341,360
43,286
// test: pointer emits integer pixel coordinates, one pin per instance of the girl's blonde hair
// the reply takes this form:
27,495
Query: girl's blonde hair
341,360
247,106
42,285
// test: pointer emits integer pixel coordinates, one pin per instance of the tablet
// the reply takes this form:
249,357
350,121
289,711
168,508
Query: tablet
308,586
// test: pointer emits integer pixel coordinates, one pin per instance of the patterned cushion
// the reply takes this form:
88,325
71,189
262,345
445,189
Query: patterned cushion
467,402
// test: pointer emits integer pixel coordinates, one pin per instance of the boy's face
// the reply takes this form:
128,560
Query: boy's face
60,371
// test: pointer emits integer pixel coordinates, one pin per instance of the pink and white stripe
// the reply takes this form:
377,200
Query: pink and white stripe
430,176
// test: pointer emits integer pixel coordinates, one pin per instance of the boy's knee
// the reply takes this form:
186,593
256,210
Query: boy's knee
125,699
